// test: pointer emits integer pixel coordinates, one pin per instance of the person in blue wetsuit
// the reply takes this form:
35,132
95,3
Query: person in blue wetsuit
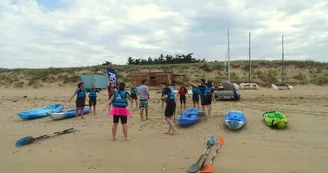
169,96
195,96
134,92
93,98
80,93
210,95
203,92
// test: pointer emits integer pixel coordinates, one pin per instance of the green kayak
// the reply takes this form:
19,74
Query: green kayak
275,119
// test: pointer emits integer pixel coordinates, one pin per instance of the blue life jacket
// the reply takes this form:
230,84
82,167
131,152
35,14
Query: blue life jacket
81,93
208,91
204,90
93,92
171,95
120,99
134,90
195,90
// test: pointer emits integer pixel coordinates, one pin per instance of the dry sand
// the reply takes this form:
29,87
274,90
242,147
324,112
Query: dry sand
301,148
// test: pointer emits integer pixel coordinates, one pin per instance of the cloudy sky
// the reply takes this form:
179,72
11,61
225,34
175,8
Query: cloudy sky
61,33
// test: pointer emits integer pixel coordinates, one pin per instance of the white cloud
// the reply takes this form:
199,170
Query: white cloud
72,33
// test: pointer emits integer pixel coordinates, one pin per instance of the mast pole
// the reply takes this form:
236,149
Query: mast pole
229,56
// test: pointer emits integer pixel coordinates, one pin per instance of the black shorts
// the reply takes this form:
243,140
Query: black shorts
80,103
92,101
204,100
209,100
195,98
170,108
116,119
134,97
183,99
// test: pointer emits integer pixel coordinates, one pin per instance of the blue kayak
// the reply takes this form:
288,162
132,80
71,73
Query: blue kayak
67,114
40,112
188,117
235,120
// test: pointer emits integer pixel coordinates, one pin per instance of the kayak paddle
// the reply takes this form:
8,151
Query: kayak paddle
29,139
195,167
208,168
212,142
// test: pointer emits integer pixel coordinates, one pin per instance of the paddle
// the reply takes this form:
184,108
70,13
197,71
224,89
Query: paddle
208,168
29,139
212,142
195,167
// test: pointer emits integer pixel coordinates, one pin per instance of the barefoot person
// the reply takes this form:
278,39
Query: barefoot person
170,107
120,111
134,91
182,95
210,95
203,96
93,98
195,96
80,93
143,93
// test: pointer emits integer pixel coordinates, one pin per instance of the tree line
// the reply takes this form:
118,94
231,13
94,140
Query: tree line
165,59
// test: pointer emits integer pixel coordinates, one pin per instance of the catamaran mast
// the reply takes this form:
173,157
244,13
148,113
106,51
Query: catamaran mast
249,57
225,66
228,56
283,60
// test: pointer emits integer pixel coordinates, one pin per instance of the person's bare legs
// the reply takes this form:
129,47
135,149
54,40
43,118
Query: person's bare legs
181,106
184,105
209,109
172,130
76,112
82,111
141,114
146,110
114,128
94,109
125,132
194,104
198,105
137,104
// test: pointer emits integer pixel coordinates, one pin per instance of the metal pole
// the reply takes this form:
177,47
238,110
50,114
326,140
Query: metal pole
225,66
228,56
283,60
249,57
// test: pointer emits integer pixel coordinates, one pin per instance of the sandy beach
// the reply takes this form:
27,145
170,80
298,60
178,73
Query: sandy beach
300,148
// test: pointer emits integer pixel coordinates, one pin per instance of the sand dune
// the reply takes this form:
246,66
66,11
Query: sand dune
301,148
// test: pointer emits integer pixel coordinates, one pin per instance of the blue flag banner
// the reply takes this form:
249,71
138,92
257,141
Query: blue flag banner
112,77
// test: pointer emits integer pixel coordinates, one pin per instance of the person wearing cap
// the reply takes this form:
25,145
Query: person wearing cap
80,93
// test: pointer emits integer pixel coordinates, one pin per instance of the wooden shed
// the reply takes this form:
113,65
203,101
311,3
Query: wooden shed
153,78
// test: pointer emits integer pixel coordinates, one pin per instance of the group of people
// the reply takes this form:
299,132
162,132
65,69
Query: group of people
119,97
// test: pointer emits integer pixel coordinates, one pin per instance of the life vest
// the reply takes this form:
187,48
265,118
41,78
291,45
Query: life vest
195,90
110,91
182,91
171,95
81,93
134,90
120,99
93,92
208,91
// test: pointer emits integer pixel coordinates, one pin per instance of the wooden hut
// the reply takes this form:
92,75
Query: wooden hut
152,78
